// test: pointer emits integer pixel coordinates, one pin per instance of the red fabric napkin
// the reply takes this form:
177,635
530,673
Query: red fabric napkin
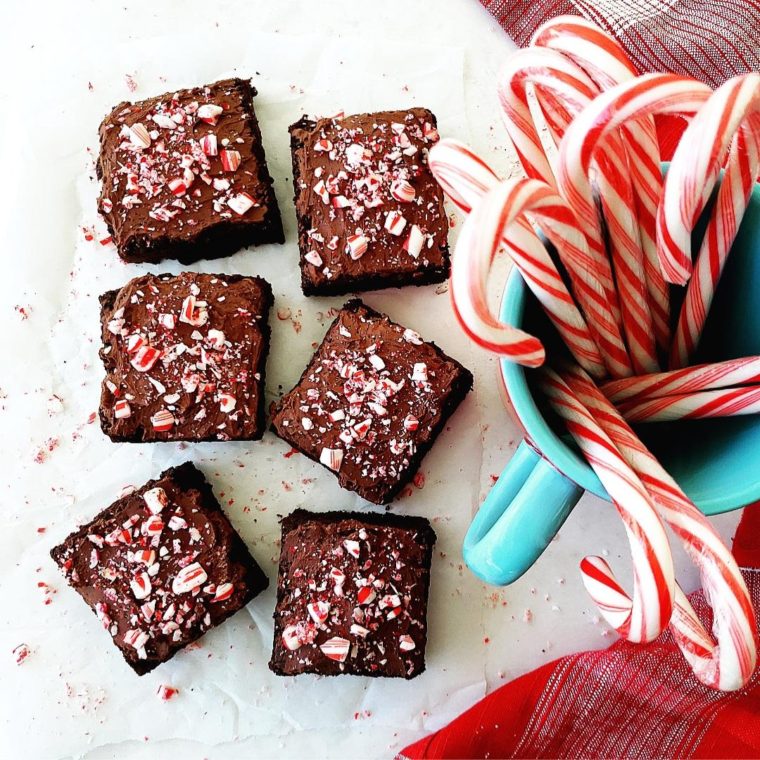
628,701
710,40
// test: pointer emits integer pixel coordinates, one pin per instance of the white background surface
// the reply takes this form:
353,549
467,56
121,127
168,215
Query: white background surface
73,696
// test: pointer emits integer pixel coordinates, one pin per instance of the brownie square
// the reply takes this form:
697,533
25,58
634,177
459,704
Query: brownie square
185,358
371,402
352,595
160,567
184,175
370,214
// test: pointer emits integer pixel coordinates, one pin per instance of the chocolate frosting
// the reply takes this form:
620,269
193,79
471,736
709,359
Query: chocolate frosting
185,358
136,566
173,172
371,402
355,587
350,173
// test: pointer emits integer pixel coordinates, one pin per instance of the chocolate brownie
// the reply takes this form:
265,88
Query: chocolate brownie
371,402
160,567
185,177
352,595
185,358
370,214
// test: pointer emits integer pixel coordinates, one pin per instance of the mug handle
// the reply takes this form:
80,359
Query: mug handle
520,516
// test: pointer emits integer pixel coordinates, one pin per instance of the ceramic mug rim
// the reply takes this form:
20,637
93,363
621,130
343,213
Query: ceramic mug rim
545,440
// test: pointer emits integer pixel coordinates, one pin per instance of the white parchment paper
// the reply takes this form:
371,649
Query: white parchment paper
73,695
83,691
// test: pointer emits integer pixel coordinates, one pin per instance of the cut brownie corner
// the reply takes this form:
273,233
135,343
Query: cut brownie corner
352,594
160,567
371,402
370,214
185,358
184,175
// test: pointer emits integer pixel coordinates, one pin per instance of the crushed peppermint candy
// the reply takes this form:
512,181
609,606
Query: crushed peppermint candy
367,615
366,178
162,162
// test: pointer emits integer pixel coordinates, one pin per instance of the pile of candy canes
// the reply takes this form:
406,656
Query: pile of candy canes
620,256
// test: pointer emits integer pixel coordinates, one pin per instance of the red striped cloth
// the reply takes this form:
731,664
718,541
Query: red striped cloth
628,701
710,40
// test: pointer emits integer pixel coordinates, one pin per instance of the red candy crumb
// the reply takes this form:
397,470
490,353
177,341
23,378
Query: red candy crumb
166,692
20,653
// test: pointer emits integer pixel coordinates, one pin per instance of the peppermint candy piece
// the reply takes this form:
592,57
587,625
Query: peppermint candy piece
411,423
138,135
419,372
191,315
402,191
352,547
394,222
365,595
155,499
227,402
336,648
241,203
318,611
209,113
136,639
146,556
290,638
230,160
162,421
223,591
313,258
177,187
406,643
188,578
357,246
359,630
140,585
332,458
122,409
413,244
338,576
144,358
410,336
209,145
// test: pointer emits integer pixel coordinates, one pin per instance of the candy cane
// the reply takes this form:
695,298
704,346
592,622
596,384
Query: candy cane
643,96
485,229
644,616
553,74
465,178
701,377
726,402
731,117
729,665
697,163
606,62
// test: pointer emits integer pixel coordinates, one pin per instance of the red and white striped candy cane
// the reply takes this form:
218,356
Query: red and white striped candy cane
471,306
646,95
490,224
563,90
729,665
730,120
726,402
644,616
697,163
602,57
465,178
462,174
702,377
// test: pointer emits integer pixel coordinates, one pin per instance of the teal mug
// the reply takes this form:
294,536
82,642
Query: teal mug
716,462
